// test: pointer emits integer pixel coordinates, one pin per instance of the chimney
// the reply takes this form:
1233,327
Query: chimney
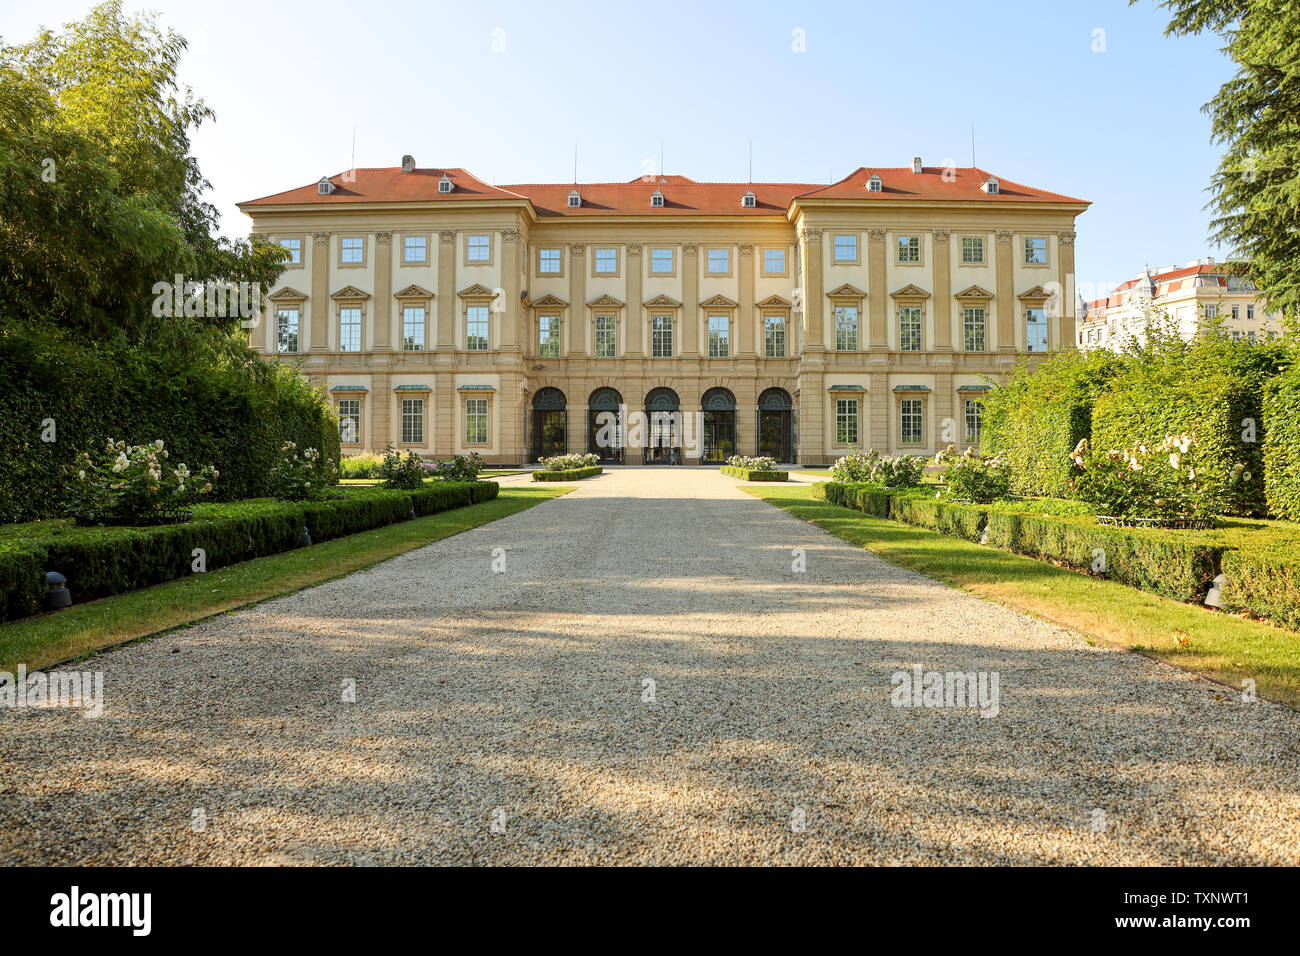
408,163
916,164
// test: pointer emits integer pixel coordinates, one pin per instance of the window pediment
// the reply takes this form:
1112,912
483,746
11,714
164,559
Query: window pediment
287,294
975,293
663,302
549,301
349,292
910,291
719,302
847,291
1036,294
476,291
414,292
605,301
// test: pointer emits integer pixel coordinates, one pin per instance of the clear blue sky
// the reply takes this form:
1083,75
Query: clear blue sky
876,85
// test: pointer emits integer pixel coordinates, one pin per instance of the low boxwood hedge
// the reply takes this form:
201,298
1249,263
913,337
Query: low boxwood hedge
753,474
101,561
572,474
1265,581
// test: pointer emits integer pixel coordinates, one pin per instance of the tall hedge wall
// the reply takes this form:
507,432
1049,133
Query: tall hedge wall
233,410
1211,387
1039,415
1282,444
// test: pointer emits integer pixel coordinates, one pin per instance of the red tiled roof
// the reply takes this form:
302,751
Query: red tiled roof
682,196
1163,282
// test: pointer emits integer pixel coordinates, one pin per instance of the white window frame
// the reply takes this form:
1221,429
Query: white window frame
412,418
409,324
351,338
478,317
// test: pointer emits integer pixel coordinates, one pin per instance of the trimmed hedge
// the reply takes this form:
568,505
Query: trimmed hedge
233,410
1282,444
1265,581
102,561
572,474
754,474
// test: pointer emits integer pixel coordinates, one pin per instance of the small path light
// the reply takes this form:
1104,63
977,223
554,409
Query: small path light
1215,597
58,594
305,540
410,512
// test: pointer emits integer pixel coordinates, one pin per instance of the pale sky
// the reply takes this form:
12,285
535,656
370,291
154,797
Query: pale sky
505,89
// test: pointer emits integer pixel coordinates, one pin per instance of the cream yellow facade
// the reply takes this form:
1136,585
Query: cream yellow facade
826,323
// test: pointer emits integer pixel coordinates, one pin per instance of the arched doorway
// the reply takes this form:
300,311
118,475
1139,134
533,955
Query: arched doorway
550,423
719,407
605,435
664,431
776,425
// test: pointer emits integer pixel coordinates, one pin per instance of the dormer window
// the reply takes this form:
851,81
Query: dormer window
873,184
444,184
990,186
749,201
657,199
575,199
324,187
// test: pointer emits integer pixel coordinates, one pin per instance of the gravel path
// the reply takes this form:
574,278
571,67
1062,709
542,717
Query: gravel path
505,717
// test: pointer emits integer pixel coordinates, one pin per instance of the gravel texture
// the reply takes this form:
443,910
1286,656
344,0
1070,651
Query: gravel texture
499,717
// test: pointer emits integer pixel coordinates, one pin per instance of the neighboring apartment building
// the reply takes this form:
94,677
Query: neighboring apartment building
798,320
1181,298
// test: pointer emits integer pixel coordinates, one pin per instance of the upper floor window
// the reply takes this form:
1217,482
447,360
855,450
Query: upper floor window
972,250
774,336
1250,311
350,330
874,185
415,249
286,330
1035,252
295,250
846,328
548,262
909,248
909,328
661,261
749,200
774,262
846,248
352,250
575,199
656,199
444,184
661,336
606,261
1211,311
719,336
413,321
719,261
476,328
1035,330
478,248
606,336
973,322
548,336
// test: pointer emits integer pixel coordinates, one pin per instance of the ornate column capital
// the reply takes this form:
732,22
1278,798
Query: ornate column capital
447,235
1066,238
746,249
257,235
384,238
940,235
876,235
810,235
634,248
320,238
511,235
1004,235
577,248
690,248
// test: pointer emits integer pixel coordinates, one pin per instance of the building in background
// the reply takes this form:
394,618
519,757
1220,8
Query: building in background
796,320
1182,298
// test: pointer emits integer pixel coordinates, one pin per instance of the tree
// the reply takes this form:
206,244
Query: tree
1256,189
99,196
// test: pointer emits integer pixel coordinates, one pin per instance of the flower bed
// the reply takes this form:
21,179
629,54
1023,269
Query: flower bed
1261,561
569,474
755,474
102,561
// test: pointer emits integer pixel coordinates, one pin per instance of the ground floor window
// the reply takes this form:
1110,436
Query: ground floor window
350,421
476,421
413,421
974,420
909,421
846,421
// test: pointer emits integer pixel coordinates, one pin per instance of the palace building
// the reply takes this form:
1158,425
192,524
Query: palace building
799,320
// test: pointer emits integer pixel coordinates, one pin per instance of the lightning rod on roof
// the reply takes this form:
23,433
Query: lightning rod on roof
972,144
751,162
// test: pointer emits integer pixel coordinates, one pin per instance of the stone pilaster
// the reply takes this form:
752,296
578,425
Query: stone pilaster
748,319
1064,331
1007,304
942,300
577,300
814,284
447,290
320,292
383,306
877,293
690,336
635,318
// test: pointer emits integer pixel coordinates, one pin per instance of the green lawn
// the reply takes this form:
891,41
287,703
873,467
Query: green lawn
1217,645
83,628
365,482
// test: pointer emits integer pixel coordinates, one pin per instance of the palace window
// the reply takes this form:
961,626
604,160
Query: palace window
476,421
719,261
909,328
974,420
478,248
846,328
607,262
910,431
349,330
909,248
774,262
413,328
295,250
846,421
476,328
413,421
286,330
352,250
973,322
661,336
846,248
548,336
661,261
1035,252
1035,330
415,249
350,421
972,250
606,336
774,336
548,262
719,336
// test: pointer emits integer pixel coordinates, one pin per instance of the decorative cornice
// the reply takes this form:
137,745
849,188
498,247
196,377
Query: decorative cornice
384,238
1036,294
876,235
287,294
447,235
549,301
1065,238
605,301
940,235
1004,235
774,302
663,301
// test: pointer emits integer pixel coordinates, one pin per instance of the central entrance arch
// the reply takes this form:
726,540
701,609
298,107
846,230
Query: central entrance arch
776,425
664,431
605,442
719,407
550,423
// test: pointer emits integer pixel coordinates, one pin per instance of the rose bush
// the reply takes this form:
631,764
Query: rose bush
299,476
402,469
752,464
460,468
972,478
568,462
1175,479
135,484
